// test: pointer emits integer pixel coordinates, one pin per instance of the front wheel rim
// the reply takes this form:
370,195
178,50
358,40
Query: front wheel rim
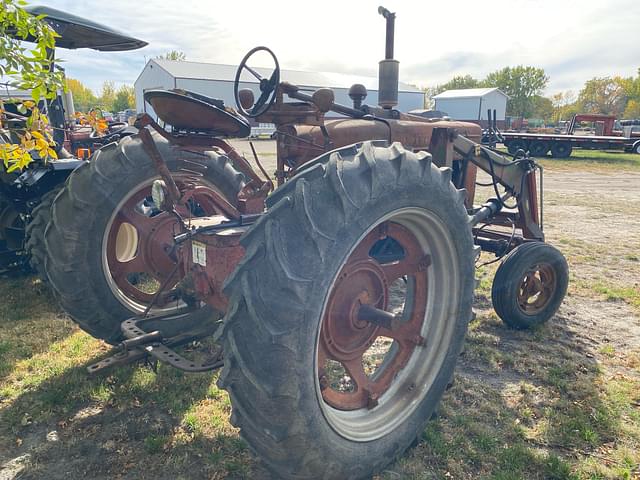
423,328
536,288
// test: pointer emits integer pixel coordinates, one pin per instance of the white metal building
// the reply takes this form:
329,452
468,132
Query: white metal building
216,80
471,104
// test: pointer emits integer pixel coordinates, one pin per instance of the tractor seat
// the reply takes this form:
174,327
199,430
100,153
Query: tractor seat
192,113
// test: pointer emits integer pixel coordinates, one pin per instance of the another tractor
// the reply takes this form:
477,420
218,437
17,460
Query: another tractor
26,196
345,293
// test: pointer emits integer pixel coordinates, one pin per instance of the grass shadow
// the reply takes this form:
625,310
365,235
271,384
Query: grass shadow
130,423
526,405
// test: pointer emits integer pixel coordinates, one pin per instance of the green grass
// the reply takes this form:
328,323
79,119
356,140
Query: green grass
537,407
596,159
628,294
542,404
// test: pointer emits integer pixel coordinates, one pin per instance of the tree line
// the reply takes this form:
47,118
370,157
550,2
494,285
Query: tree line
109,99
616,95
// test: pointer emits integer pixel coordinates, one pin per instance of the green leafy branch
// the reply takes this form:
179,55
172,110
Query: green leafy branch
31,68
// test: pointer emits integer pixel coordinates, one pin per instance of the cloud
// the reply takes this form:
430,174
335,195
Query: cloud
573,41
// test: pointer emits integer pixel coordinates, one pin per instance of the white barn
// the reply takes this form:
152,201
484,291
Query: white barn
471,104
216,80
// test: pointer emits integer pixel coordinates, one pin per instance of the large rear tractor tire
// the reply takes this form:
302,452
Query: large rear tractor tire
34,233
348,312
529,285
109,247
11,236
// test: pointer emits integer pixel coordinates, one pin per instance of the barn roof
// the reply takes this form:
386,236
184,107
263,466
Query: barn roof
221,72
469,93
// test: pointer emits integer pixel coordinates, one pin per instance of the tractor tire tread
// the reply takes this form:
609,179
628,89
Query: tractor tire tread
263,388
82,293
503,293
34,233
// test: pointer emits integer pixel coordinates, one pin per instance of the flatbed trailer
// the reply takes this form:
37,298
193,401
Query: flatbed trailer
561,145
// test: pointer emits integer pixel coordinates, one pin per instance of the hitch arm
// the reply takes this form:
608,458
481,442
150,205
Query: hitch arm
518,178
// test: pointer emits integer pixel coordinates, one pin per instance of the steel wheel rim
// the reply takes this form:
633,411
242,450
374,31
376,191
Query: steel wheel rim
118,245
536,288
412,383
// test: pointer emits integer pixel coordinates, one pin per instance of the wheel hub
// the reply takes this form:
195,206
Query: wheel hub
344,335
356,317
140,238
536,289
156,250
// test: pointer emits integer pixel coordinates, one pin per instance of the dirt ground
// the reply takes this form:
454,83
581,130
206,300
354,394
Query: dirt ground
561,402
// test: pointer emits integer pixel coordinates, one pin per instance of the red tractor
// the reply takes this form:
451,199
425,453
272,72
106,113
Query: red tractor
345,292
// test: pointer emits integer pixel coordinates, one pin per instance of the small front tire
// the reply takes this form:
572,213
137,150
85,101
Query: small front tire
530,285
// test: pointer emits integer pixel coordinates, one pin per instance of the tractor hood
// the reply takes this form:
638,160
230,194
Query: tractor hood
77,32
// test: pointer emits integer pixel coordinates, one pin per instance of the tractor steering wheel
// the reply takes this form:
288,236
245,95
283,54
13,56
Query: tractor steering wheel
267,86
114,128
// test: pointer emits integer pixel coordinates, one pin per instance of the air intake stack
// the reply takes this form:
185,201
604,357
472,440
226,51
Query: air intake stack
388,72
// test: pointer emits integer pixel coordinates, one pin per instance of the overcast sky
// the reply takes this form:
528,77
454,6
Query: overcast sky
435,40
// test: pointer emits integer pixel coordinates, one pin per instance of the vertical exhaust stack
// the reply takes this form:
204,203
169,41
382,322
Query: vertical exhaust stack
388,72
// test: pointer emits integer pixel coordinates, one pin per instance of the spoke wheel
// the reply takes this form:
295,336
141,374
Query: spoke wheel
139,239
109,249
358,314
384,384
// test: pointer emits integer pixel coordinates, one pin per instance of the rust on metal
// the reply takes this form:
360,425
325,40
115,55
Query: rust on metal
223,252
357,314
536,289
152,150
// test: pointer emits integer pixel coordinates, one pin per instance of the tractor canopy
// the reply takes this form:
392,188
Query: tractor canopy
77,32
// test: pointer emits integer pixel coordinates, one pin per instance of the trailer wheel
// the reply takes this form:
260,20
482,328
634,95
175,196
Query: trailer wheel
515,145
530,285
368,250
538,148
561,150
34,233
109,248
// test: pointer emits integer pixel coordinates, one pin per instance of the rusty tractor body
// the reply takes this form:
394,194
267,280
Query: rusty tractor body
347,290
